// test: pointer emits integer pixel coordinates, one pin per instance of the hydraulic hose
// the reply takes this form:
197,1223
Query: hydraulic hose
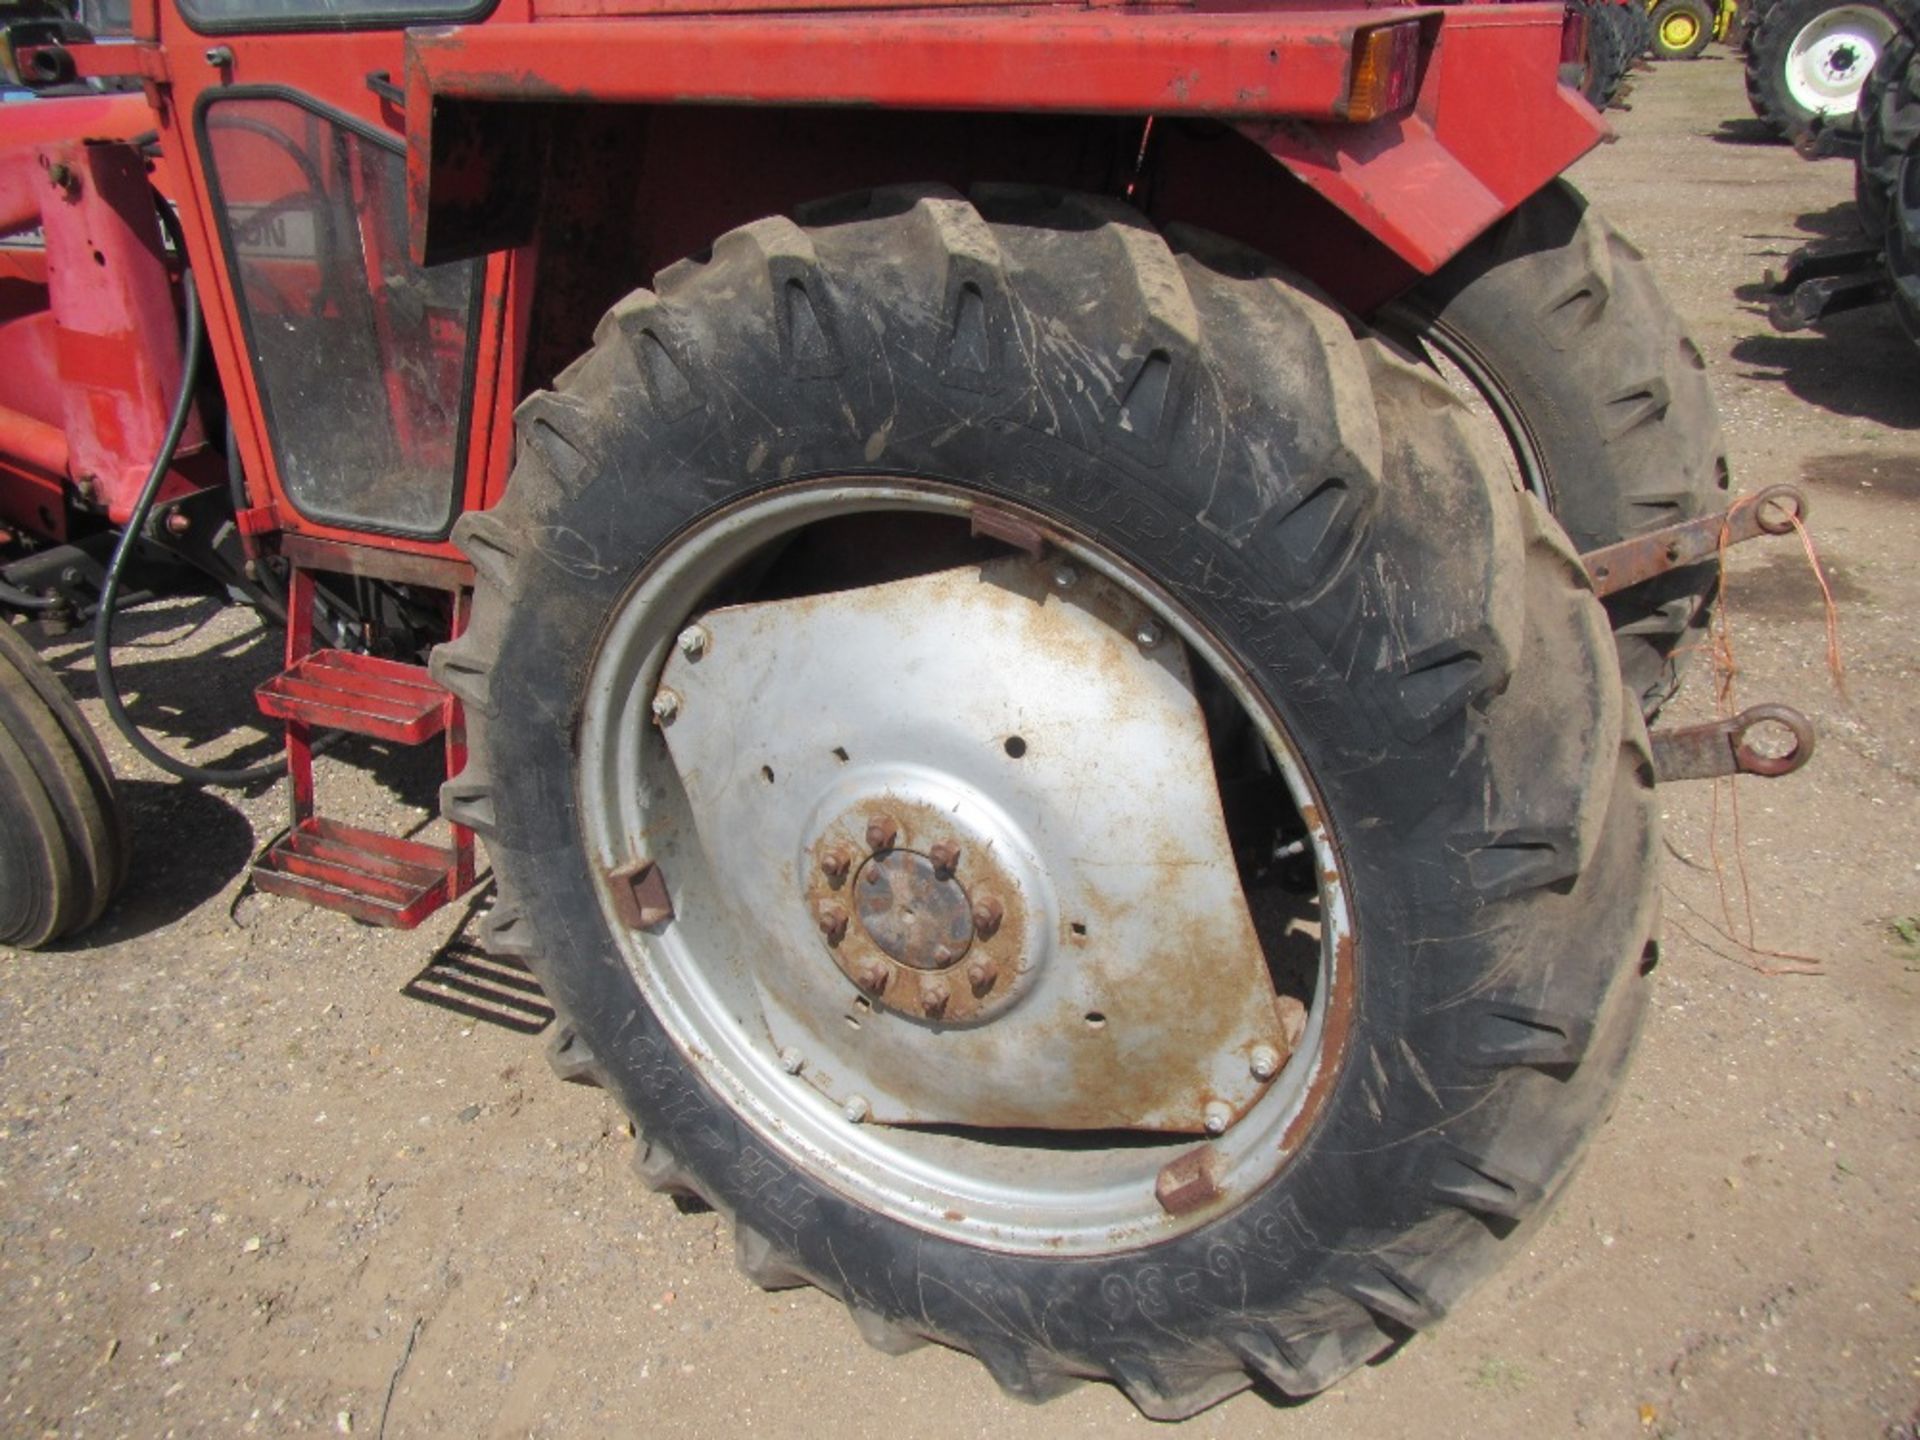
191,348
23,599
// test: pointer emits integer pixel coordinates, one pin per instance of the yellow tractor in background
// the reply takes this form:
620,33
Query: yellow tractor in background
1682,28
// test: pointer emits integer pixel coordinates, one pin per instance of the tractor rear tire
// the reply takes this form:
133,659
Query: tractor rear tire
1807,60
1307,501
1681,29
67,855
1556,319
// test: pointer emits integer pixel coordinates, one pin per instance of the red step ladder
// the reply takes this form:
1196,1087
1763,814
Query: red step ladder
381,879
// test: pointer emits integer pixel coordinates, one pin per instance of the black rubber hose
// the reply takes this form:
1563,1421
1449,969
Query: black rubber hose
129,537
24,599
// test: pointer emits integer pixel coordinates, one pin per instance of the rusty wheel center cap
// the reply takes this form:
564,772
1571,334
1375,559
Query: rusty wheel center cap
914,912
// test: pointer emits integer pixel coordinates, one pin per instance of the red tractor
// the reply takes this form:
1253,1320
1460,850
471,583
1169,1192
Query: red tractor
1027,733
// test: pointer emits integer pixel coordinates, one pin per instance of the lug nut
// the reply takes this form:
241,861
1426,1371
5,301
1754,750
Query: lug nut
836,863
1216,1117
945,855
1146,635
873,979
934,997
981,974
882,831
833,922
1264,1062
856,1109
1065,577
988,912
693,642
665,706
792,1061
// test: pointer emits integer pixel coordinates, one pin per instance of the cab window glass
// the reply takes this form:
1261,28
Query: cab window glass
361,355
313,14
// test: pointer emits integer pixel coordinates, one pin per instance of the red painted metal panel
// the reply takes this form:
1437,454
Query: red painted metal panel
117,336
1290,63
74,118
1429,182
1277,63
19,200
33,443
1491,124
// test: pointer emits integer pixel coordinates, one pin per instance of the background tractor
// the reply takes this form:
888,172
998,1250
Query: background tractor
1808,60
1034,742
1683,28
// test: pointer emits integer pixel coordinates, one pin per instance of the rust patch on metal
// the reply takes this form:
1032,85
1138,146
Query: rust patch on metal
1614,568
1008,529
1719,747
1186,1184
640,895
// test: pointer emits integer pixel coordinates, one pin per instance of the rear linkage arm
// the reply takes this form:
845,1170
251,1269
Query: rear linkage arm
1718,747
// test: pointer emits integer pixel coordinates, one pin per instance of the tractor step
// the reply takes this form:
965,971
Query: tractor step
339,690
380,879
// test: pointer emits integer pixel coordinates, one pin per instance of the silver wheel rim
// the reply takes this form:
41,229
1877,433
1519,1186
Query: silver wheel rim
1831,57
1036,1199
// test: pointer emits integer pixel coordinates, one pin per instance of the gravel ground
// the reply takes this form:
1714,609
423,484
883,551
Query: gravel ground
251,1182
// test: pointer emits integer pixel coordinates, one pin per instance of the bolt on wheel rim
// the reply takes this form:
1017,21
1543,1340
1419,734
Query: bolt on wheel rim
932,912
1830,59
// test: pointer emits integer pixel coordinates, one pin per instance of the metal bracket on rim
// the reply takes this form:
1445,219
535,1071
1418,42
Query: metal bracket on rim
1719,747
1614,568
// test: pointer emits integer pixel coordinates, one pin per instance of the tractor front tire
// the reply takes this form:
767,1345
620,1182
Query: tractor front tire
1556,319
63,845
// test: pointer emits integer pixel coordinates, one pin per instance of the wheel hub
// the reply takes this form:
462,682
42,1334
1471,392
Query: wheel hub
1829,59
917,914
920,910
975,853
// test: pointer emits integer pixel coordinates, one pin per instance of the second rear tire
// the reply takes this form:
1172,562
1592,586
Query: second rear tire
1556,319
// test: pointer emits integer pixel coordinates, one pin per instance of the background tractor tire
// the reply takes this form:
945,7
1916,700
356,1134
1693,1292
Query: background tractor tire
1889,120
1557,320
1308,496
1681,29
1746,20
1641,34
1902,229
64,853
1609,52
1807,60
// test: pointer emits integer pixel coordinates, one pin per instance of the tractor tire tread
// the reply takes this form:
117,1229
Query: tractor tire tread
1482,632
